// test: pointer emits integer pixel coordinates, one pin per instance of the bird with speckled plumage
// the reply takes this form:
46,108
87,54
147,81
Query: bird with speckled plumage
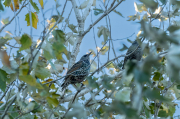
135,55
78,72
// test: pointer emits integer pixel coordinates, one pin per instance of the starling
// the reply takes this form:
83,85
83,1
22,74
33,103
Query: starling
135,55
78,72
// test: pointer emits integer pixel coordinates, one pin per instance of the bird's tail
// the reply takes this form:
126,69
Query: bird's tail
64,85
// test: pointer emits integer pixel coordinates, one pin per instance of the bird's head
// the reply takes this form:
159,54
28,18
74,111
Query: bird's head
86,56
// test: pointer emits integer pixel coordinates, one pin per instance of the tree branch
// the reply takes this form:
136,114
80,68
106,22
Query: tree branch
24,5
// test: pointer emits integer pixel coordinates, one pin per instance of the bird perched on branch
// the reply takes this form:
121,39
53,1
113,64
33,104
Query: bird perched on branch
78,72
137,53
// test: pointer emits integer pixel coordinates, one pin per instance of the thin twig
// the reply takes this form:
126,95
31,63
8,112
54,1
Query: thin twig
24,5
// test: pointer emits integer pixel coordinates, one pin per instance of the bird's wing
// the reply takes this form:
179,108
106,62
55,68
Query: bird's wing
75,67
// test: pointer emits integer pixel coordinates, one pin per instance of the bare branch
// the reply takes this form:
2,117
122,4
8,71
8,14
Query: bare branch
24,5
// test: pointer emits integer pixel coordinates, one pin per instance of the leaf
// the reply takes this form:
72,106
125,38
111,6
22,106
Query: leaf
178,87
59,35
139,7
29,107
173,28
34,19
84,4
25,42
41,3
42,73
7,3
163,1
31,81
34,6
157,76
1,7
153,94
124,48
123,95
58,69
150,4
162,113
141,76
16,5
72,27
92,82
3,79
104,50
103,31
59,48
118,13
5,21
5,58
98,11
52,101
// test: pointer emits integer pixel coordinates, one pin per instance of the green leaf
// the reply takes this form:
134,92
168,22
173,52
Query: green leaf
31,81
103,31
118,13
92,82
153,94
25,42
98,11
1,7
173,28
28,79
163,1
3,79
59,48
59,35
157,76
72,27
178,87
124,48
141,76
7,3
42,73
5,21
34,6
162,113
52,101
34,19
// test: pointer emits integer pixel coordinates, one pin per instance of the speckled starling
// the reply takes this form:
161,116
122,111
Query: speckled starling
78,72
135,55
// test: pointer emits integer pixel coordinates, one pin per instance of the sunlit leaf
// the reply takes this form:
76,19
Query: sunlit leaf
139,7
41,3
16,5
5,21
150,4
34,19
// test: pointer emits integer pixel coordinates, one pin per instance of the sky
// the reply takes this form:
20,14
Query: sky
121,28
